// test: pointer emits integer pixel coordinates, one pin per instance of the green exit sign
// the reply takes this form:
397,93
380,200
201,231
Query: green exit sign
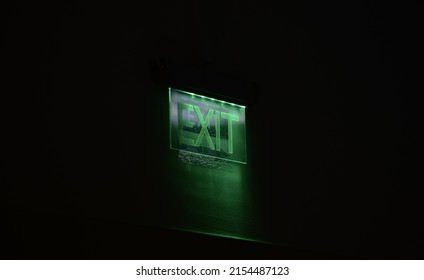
207,126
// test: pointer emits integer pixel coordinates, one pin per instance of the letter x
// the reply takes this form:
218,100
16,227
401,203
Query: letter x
204,131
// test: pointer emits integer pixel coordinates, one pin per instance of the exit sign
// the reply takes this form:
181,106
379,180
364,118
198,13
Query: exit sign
207,126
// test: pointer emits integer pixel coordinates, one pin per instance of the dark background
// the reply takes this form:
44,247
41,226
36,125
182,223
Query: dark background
334,129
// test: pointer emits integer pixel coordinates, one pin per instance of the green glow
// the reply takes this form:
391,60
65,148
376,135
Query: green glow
214,196
207,126
209,191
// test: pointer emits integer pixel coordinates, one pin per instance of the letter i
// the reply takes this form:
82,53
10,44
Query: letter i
217,131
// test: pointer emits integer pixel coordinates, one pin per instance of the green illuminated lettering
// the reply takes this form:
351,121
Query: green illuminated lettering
218,131
206,126
204,131
230,118
205,123
185,123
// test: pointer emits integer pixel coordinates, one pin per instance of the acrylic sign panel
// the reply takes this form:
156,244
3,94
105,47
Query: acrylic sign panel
207,126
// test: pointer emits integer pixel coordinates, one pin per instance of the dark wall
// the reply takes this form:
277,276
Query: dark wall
334,130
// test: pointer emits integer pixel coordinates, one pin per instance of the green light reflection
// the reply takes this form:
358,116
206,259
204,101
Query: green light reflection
214,196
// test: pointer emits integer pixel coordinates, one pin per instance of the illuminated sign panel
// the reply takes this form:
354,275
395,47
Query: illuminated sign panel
207,126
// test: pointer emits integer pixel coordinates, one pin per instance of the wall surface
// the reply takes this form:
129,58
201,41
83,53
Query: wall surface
334,127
